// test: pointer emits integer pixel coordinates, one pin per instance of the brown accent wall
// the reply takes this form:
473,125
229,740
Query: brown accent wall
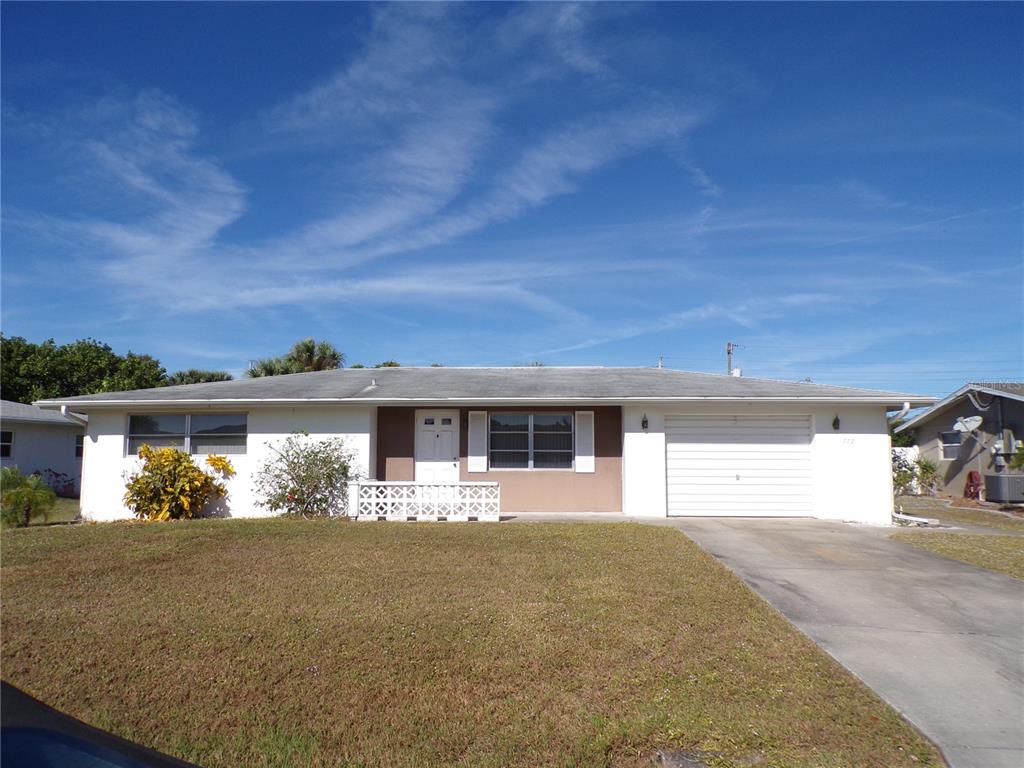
396,440
524,490
521,490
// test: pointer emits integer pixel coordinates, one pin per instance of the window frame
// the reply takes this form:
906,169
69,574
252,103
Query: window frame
188,435
8,443
530,449
79,446
943,445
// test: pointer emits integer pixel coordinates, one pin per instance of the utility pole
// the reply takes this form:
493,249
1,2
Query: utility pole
661,361
729,347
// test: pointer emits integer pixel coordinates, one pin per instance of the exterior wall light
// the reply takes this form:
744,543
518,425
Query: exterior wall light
643,423
835,423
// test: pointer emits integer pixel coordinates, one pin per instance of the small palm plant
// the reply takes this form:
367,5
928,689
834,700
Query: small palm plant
21,497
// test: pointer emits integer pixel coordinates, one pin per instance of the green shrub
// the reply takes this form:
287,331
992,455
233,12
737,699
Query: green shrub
306,477
1017,462
22,498
169,485
927,475
903,474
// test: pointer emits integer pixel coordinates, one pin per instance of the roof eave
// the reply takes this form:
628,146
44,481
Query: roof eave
889,402
949,400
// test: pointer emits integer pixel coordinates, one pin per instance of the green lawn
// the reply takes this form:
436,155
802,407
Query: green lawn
296,643
1003,553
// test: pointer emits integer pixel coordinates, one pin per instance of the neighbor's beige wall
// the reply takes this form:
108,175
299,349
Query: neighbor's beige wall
521,490
953,472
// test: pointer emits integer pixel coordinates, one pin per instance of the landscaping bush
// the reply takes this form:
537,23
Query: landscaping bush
169,485
927,475
904,474
306,477
1017,462
22,498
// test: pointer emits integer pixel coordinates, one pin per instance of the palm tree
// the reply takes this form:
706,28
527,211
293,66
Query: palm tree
305,355
269,366
312,355
196,376
23,497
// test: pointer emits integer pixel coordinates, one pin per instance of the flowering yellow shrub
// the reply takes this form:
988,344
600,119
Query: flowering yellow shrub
169,485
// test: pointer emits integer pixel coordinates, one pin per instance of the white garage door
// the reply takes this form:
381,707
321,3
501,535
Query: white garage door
739,465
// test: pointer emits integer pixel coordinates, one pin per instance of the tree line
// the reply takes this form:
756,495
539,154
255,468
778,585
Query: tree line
32,371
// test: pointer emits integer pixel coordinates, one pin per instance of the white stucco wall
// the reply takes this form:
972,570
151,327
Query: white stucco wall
38,447
851,466
105,466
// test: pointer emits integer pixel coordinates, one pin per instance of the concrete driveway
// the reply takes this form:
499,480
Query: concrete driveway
941,641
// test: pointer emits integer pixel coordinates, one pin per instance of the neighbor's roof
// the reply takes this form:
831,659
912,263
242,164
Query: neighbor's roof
1011,389
485,385
19,412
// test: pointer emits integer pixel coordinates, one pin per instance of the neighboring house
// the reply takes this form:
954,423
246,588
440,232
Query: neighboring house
635,441
988,449
36,440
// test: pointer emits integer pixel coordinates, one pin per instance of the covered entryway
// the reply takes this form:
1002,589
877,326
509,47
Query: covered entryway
739,465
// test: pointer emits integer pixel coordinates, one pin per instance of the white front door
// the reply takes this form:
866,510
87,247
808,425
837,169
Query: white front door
437,446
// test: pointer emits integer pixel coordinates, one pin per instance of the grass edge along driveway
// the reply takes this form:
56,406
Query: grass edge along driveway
314,643
1002,553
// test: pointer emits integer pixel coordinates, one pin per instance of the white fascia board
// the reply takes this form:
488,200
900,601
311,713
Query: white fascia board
80,405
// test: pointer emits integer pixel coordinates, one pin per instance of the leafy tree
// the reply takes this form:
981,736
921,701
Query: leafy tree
305,355
357,365
196,376
21,497
31,371
388,364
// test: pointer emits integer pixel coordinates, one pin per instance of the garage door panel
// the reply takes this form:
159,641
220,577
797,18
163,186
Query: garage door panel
739,465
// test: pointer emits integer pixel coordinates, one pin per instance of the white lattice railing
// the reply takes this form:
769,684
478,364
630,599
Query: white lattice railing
375,499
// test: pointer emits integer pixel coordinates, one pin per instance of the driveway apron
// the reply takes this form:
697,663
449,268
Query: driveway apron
940,640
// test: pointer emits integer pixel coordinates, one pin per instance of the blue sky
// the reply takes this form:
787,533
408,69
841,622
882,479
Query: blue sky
837,188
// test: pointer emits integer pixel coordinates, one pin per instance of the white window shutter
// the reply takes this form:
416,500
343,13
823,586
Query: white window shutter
584,441
477,451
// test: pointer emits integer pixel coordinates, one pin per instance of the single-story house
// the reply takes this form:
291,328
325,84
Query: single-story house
640,442
986,449
44,441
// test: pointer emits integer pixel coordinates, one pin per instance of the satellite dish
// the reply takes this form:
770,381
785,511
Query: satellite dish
967,423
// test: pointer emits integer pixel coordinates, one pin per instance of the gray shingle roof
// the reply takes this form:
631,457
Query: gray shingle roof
1011,389
1014,388
488,385
11,411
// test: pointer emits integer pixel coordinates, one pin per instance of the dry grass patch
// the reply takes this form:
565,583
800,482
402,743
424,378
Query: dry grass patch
1001,553
932,507
279,643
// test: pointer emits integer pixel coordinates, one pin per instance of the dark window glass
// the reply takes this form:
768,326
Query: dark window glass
219,424
531,441
510,422
157,424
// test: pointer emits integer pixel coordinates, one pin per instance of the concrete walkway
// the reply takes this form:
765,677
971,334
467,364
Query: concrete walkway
941,641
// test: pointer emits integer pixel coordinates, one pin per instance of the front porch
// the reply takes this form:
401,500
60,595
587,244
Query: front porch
412,501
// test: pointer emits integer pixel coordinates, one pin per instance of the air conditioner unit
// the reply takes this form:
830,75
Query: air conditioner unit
1005,488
